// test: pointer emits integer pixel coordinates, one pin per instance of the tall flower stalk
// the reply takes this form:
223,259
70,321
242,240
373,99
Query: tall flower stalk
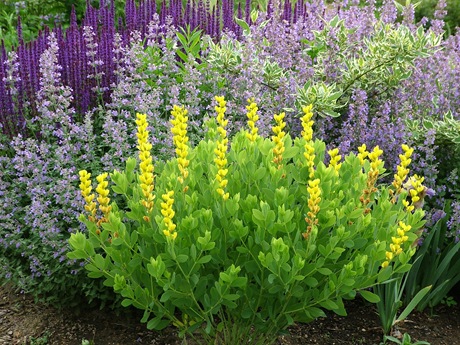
221,150
103,197
313,206
168,213
335,159
402,171
252,120
372,175
86,189
146,166
307,134
278,139
180,139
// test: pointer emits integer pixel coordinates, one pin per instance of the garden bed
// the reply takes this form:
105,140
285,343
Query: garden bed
23,322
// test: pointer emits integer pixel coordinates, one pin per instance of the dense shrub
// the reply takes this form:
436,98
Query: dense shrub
74,107
240,242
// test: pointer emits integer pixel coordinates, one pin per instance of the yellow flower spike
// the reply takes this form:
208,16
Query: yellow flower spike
103,198
402,171
180,139
335,159
417,191
397,243
307,135
307,123
313,206
252,120
146,177
168,213
372,174
278,139
221,150
362,153
85,188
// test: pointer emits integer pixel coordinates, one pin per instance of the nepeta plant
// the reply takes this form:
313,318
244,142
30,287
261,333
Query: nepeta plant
41,203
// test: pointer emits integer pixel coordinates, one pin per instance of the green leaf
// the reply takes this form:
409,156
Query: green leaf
413,303
157,323
325,271
311,282
99,261
182,258
126,302
384,274
240,282
243,25
204,259
329,304
95,274
369,296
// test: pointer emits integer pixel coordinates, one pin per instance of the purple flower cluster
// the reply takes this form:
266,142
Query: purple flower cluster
454,221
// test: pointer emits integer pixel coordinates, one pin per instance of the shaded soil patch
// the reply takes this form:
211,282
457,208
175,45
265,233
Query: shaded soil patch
24,322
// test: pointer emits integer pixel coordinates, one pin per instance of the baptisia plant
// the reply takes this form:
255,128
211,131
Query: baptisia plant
234,243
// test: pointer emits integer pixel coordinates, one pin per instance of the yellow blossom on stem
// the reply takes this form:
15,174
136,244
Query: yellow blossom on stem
278,139
402,171
397,243
86,188
372,176
168,214
335,159
180,139
221,149
252,120
417,191
103,196
313,205
307,134
362,153
146,166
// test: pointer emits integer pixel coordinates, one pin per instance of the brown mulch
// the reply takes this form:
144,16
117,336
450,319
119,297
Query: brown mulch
24,322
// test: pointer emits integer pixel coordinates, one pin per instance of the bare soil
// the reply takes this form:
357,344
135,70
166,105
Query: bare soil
24,322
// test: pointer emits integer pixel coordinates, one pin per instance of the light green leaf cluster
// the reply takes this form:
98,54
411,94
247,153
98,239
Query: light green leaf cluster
447,130
379,63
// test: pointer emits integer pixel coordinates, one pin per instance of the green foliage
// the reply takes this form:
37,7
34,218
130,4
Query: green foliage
447,130
406,340
426,8
379,65
391,294
436,263
447,150
43,340
242,269
190,44
35,15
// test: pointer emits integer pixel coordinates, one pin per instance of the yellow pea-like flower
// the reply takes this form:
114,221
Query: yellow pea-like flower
396,245
103,198
146,177
180,139
278,139
85,189
362,153
168,214
307,135
221,150
252,120
313,205
335,159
